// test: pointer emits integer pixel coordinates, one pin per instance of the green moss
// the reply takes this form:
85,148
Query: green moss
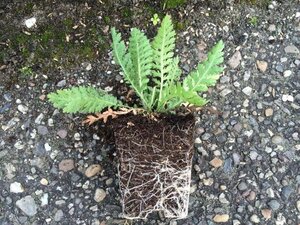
106,20
26,71
178,25
171,4
259,3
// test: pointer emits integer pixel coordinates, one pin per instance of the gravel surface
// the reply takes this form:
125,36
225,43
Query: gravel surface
54,170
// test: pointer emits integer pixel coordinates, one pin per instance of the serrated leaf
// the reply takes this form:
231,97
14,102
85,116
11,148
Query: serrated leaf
119,52
141,57
83,100
163,50
137,63
207,72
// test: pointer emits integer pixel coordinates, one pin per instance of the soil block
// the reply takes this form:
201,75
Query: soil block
155,161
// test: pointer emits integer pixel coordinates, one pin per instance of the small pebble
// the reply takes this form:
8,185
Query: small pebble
16,187
23,109
269,112
221,218
216,162
58,215
66,165
62,133
291,49
100,195
44,181
262,65
287,73
61,83
27,205
29,23
274,204
235,60
247,91
267,213
277,139
254,218
92,170
242,186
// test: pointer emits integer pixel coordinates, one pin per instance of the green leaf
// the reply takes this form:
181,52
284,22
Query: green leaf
163,51
175,95
141,56
207,72
83,100
136,64
119,52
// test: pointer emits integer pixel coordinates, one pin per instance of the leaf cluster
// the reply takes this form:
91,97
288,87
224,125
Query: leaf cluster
151,69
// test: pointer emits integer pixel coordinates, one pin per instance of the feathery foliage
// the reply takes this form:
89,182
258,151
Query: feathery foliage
83,99
153,73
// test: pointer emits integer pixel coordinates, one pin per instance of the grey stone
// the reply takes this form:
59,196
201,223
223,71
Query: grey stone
61,83
225,92
254,218
291,49
272,27
16,187
42,130
40,148
58,215
235,60
66,165
100,194
7,97
286,192
39,118
62,133
238,127
253,155
3,153
242,186
247,75
221,138
23,109
205,136
277,139
27,205
247,90
274,204
227,167
236,158
279,68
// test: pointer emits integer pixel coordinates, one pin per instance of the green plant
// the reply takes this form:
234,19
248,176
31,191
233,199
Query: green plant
153,73
155,19
26,71
253,20
171,4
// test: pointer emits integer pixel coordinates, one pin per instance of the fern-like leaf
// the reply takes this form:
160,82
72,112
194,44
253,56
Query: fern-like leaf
137,63
207,72
163,50
141,57
175,95
119,52
83,100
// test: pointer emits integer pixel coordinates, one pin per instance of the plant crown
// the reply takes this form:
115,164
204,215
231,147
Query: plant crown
152,71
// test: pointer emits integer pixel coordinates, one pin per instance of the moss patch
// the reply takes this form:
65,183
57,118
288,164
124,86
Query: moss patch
54,44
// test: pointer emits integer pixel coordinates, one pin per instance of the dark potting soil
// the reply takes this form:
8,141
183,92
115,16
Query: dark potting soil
154,163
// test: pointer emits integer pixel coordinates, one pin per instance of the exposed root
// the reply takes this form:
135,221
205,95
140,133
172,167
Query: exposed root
90,119
155,161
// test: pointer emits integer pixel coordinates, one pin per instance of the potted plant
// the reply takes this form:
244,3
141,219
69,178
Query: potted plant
154,137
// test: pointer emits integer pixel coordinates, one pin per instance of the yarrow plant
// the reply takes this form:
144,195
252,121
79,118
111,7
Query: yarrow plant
152,71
